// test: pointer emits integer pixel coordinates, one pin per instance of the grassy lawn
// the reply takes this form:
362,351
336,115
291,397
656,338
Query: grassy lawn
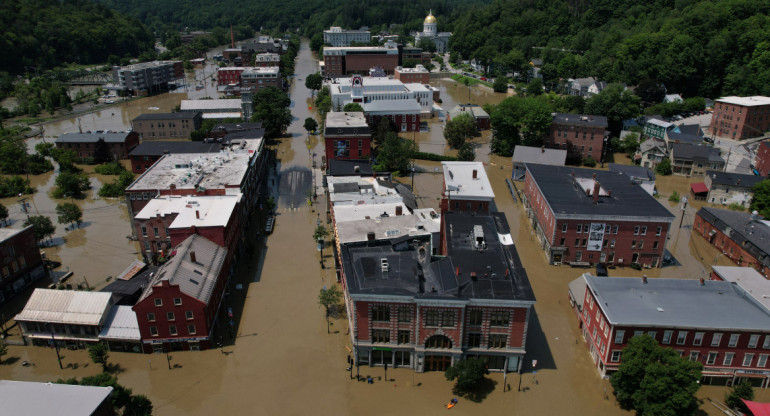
471,81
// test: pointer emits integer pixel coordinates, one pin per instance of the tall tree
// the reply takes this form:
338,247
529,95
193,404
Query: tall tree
395,154
310,125
519,120
616,103
42,227
353,107
738,392
102,152
99,353
314,82
69,213
327,298
459,129
467,374
271,107
761,200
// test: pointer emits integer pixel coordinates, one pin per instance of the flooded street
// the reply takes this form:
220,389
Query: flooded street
282,360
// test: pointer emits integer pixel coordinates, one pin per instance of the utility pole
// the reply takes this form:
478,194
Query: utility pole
56,347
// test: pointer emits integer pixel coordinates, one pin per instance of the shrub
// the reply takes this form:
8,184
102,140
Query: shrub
675,197
589,161
110,168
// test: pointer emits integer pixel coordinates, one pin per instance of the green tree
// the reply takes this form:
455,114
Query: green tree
310,125
394,154
327,298
409,63
102,152
69,213
468,374
738,392
353,107
664,167
111,168
466,153
41,226
14,186
323,100
654,380
519,120
384,126
3,214
320,233
117,188
426,45
761,201
535,87
123,400
138,405
616,103
3,350
314,82
71,185
650,91
459,129
316,42
271,107
589,162
500,84
99,354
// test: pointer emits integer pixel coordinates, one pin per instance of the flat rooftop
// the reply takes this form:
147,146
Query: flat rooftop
580,119
569,192
423,222
418,69
161,147
45,399
408,106
528,154
346,123
745,101
166,116
195,171
676,303
198,211
147,65
753,283
467,180
6,233
94,136
220,104
65,307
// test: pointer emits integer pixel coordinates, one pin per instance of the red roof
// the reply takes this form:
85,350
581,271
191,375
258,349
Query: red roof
699,188
758,409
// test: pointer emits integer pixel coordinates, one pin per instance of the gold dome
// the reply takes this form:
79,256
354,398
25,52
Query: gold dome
430,18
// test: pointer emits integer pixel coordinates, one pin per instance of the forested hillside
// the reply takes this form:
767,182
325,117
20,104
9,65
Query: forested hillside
696,47
42,34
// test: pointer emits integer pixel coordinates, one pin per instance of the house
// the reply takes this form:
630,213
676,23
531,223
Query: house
651,152
728,188
148,152
712,322
596,88
166,126
466,187
407,308
740,117
655,128
540,155
641,175
118,143
581,135
479,116
672,98
694,160
44,399
588,216
20,262
179,307
685,133
762,160
347,136
580,86
742,237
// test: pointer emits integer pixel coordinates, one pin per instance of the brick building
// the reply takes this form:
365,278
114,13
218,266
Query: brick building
587,216
337,36
179,307
347,136
416,75
230,75
165,222
711,322
742,237
120,143
403,114
264,60
689,159
730,188
740,117
258,78
147,77
762,160
166,126
466,187
345,60
148,152
20,262
408,309
581,135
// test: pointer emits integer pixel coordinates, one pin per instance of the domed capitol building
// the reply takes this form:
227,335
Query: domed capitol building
441,40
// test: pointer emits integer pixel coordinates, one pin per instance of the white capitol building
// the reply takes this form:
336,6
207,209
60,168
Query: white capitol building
441,40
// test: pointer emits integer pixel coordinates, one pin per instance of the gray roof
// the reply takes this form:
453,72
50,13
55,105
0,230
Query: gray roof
397,106
194,279
633,171
180,115
677,303
734,179
527,154
565,194
409,200
584,82
752,235
347,167
687,151
161,147
93,137
580,119
236,127
674,137
45,399
693,129
346,123
650,144
121,324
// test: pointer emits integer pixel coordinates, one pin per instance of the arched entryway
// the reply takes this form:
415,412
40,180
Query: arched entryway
438,362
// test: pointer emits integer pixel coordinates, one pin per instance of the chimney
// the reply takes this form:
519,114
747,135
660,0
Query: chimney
475,174
370,236
739,182
172,186
399,210
644,279
192,257
596,190
702,282
197,214
542,149
609,193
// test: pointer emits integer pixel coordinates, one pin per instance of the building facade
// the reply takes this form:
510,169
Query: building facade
656,129
166,126
258,78
337,36
370,90
762,160
581,135
264,60
147,77
149,152
586,216
430,31
480,117
347,136
21,264
740,236
466,187
119,143
416,75
730,188
341,61
694,160
740,117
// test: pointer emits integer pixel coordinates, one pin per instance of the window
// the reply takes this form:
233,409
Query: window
762,361
681,337
380,335
716,339
614,229
170,316
447,318
712,358
178,301
476,315
694,355
144,231
381,313
564,227
594,334
586,229
188,315
612,243
499,318
652,334
497,340
638,333
404,314
644,230
154,331
158,302
579,228
155,232
619,334
403,337
753,340
654,245
172,330
641,244
151,317
747,359
474,340
728,360
168,233
584,243
577,242
658,230
615,356
698,339
733,340
636,230
191,329
633,243
431,318
766,343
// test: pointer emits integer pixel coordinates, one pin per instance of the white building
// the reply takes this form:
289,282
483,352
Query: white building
467,181
368,90
429,31
337,36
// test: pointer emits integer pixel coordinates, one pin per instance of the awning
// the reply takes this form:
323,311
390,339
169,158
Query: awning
699,188
757,409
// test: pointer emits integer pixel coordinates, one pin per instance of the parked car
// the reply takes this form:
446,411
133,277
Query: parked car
601,269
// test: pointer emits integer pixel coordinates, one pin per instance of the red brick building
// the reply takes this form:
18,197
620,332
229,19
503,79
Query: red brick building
347,136
740,117
179,307
711,322
20,262
587,216
581,135
466,187
762,161
119,143
740,236
264,60
434,312
165,222
403,114
344,60
418,75
230,75
166,126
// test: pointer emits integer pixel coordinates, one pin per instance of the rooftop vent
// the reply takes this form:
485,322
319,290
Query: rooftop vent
478,238
384,264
